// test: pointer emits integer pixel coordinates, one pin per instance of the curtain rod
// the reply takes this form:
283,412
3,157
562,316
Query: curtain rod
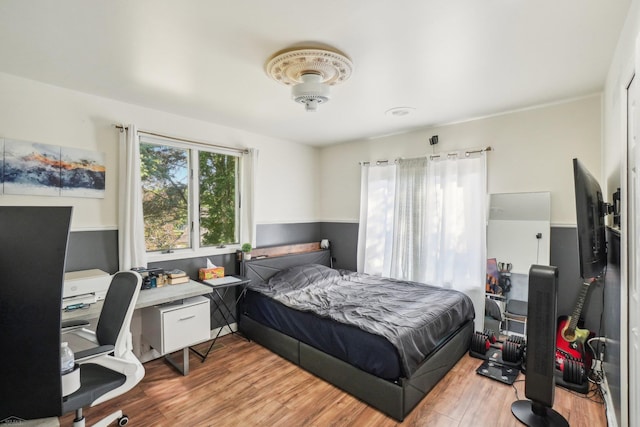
190,141
466,153
435,156
378,163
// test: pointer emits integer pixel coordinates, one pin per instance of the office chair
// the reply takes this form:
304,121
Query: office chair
515,317
110,368
492,316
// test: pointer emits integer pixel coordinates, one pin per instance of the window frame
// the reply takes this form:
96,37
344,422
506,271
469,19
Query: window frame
196,250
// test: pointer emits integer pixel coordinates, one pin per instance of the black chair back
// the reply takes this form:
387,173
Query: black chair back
116,304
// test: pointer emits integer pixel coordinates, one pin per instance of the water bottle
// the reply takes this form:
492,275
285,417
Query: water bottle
66,358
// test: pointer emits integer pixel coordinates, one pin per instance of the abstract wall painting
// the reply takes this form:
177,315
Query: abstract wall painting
35,169
31,168
1,166
82,173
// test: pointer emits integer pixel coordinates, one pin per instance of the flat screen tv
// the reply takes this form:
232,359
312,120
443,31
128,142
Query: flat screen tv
590,212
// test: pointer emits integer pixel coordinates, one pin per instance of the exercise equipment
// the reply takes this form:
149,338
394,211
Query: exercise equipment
485,345
571,373
502,359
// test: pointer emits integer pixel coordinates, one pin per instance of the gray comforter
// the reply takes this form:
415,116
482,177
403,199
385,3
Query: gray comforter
414,317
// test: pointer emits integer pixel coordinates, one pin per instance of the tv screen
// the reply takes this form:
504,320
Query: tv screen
590,212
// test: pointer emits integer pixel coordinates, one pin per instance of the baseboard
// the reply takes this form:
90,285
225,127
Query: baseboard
225,330
608,403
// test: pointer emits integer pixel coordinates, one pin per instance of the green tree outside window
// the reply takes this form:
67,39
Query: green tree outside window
217,198
165,176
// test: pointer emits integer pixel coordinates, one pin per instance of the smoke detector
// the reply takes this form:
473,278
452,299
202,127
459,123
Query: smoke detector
310,73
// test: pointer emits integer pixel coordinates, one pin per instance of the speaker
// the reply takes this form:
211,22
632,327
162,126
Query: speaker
541,350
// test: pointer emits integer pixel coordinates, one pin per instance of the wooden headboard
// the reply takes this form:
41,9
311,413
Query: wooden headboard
265,262
274,251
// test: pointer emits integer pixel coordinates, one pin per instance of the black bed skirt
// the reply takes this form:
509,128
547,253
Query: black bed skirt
371,353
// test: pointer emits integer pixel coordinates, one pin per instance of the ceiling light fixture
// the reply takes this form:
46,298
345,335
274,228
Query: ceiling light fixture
310,73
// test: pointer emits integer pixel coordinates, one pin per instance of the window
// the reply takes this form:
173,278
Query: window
190,198
424,220
164,171
218,194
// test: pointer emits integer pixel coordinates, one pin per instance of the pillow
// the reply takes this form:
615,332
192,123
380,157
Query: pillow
301,276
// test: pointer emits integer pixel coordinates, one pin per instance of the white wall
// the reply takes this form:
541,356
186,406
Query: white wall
533,151
31,111
298,183
615,102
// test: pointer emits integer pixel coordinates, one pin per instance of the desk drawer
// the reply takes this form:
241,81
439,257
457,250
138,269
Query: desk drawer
186,326
169,328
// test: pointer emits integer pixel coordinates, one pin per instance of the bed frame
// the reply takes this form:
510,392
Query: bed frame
395,399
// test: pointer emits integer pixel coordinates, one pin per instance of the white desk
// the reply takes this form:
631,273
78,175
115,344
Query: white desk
148,298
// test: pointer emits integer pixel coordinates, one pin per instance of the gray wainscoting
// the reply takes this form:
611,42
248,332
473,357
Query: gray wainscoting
342,236
99,249
564,255
286,234
93,249
191,265
344,243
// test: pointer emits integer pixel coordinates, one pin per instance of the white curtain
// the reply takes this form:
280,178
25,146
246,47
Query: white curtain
249,182
456,231
131,243
424,220
375,231
410,221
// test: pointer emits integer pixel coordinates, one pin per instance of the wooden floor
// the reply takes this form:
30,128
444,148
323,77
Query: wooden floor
243,384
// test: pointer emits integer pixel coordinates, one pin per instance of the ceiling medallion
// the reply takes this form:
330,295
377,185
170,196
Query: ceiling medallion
309,73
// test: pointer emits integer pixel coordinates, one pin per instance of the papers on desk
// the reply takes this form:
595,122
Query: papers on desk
222,281
78,301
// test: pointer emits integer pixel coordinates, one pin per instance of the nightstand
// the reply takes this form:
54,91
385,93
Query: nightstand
220,288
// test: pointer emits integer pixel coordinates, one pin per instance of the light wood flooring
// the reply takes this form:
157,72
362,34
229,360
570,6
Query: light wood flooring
244,384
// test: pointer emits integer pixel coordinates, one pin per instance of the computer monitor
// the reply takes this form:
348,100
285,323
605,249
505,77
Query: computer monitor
33,246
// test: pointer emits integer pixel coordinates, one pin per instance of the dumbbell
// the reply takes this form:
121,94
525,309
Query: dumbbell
573,372
512,348
482,341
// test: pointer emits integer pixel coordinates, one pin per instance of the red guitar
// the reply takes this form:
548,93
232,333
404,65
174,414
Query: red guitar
569,338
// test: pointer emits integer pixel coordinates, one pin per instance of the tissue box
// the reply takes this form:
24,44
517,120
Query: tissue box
210,273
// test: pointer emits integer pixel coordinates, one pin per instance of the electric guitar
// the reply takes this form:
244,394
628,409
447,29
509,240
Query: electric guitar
569,338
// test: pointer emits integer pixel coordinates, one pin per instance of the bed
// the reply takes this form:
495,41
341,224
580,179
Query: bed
310,314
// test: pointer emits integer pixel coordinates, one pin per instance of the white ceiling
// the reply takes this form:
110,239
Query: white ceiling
451,60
